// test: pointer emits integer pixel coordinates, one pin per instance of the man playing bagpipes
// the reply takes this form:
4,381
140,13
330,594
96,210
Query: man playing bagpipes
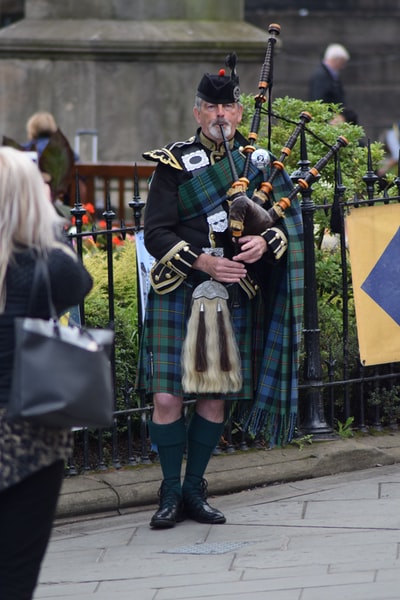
222,320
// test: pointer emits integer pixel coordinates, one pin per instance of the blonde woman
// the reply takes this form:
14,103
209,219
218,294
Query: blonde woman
31,457
39,127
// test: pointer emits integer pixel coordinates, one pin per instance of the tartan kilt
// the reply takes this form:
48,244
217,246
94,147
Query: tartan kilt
166,316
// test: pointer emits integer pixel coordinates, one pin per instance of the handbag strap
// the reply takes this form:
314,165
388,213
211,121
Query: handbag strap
41,273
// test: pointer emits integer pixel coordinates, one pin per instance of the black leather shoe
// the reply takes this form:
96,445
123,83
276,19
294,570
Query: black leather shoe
170,510
197,508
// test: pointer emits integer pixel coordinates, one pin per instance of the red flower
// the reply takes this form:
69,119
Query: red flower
117,241
90,208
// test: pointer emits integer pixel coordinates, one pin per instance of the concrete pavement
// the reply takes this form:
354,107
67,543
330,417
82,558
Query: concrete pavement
323,522
116,490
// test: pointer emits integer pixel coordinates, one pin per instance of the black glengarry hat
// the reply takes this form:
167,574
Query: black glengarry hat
221,88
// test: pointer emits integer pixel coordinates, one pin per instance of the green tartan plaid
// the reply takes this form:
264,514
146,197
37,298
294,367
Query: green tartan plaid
203,193
274,412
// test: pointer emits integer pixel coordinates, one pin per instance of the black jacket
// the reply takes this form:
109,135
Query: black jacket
69,281
163,229
324,86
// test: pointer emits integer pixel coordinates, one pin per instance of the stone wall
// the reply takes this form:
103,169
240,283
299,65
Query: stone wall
131,80
132,77
136,10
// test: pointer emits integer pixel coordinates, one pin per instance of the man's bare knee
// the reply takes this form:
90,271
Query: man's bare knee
211,410
167,408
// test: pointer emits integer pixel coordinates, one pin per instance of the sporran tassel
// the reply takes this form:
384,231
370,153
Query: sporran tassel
223,347
201,356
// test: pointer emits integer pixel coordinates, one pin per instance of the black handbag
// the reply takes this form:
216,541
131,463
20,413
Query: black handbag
62,375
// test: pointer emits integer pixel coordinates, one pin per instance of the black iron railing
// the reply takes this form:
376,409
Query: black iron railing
326,395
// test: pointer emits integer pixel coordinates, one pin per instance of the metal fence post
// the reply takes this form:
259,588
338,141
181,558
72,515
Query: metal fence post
314,421
137,206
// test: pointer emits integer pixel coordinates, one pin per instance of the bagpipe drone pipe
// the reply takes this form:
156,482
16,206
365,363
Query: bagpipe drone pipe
252,216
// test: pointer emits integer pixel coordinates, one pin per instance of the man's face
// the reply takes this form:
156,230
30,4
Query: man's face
339,63
211,116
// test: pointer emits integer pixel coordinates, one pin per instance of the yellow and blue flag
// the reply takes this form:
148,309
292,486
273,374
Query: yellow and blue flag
374,243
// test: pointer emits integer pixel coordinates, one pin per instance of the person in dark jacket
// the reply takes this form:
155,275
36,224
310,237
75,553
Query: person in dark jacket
32,458
186,230
325,83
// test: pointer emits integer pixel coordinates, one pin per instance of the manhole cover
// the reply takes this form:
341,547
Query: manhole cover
213,548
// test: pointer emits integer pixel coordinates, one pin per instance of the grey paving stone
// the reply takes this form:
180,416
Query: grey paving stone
334,537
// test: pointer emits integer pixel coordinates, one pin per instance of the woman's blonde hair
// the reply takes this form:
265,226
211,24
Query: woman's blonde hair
40,124
27,216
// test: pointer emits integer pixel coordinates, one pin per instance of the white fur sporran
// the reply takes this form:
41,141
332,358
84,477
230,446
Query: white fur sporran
210,357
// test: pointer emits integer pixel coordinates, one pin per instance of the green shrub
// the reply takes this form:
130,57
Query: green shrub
125,318
387,398
320,136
